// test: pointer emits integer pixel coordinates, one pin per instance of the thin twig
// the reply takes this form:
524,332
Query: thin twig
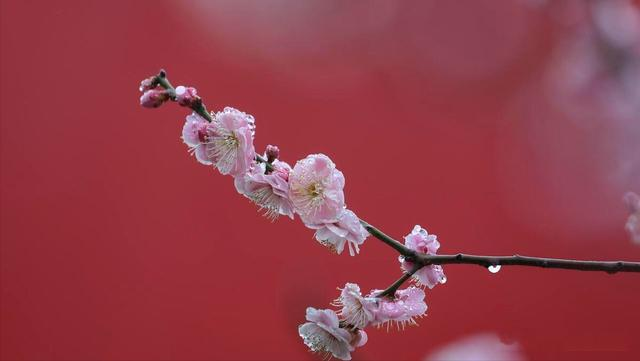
198,106
391,290
402,249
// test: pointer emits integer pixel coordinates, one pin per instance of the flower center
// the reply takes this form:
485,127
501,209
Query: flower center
314,190
231,140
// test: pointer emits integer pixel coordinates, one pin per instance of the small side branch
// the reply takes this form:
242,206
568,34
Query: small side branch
391,290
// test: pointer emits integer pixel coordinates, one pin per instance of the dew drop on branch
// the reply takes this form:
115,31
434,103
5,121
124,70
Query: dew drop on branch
494,268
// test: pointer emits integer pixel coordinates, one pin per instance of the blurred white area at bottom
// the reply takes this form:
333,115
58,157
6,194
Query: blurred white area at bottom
478,347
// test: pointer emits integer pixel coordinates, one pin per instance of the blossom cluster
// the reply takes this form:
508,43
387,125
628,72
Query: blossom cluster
313,189
337,333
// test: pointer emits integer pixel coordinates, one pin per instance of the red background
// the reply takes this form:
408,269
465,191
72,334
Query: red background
115,244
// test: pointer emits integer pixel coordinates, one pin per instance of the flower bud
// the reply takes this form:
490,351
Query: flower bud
148,84
186,96
272,153
154,98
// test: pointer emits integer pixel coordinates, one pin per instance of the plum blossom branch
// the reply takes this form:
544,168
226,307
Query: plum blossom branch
313,189
515,260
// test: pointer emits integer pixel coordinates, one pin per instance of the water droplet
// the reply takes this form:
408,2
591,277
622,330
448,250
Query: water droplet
443,280
401,258
494,268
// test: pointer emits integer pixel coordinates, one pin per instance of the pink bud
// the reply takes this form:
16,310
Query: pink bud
154,98
272,153
186,96
148,84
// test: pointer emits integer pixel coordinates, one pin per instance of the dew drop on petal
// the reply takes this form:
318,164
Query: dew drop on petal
494,268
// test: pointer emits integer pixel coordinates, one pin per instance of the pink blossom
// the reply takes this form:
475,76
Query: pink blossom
269,191
186,96
356,310
422,242
347,229
230,145
402,309
323,334
316,189
195,133
633,222
154,98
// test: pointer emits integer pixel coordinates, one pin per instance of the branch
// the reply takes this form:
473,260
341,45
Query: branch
543,262
421,260
351,314
515,260
198,106
391,290
402,249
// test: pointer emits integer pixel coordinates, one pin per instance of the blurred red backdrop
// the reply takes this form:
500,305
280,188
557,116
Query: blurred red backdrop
115,244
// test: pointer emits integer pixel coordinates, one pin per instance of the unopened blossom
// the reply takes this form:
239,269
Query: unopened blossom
269,191
230,145
421,241
154,98
272,153
403,308
148,83
323,334
195,133
633,222
186,96
347,229
356,310
316,189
